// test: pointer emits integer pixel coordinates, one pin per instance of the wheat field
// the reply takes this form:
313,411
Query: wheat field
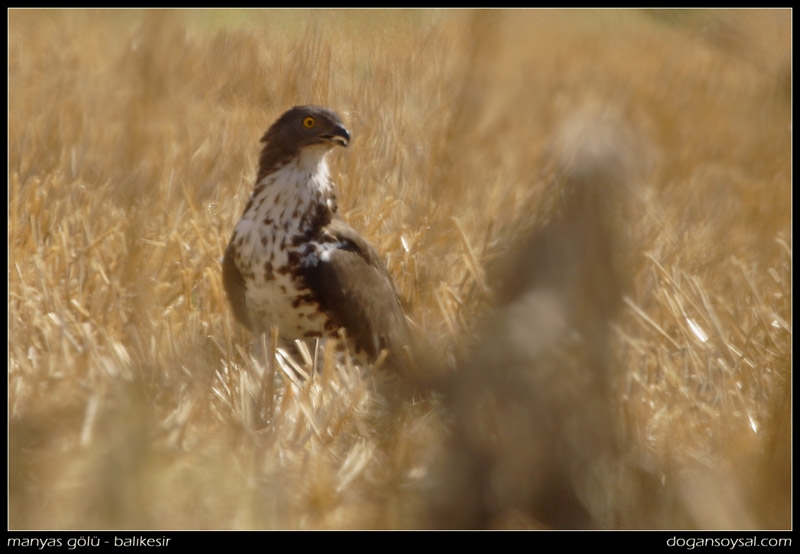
137,402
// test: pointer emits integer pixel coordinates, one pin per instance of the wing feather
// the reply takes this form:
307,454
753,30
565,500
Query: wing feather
357,292
235,288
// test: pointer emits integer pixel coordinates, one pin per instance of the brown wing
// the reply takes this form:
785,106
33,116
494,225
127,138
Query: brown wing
234,285
355,289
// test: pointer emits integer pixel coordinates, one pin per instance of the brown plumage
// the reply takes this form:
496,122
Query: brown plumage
293,263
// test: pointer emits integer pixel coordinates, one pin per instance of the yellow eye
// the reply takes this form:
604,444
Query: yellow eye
308,122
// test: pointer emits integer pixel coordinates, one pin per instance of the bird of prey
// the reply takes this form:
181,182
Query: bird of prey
293,263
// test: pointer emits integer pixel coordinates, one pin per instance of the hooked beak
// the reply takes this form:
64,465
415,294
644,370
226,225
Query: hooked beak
339,135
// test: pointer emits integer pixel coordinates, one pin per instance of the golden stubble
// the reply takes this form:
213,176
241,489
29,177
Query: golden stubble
135,401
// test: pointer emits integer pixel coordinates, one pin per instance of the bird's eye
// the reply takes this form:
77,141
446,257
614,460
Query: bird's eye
309,122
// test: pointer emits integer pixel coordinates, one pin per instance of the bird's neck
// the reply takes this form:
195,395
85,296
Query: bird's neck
298,196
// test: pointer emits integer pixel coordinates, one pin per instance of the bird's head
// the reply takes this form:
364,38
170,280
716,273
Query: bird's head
299,129
308,125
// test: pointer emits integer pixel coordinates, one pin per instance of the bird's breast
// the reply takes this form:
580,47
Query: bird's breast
274,240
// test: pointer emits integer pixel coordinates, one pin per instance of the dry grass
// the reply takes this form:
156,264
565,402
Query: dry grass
135,401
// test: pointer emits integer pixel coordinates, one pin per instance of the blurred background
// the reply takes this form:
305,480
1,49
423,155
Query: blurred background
587,213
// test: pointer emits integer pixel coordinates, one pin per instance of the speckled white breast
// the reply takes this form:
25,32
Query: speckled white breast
274,236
